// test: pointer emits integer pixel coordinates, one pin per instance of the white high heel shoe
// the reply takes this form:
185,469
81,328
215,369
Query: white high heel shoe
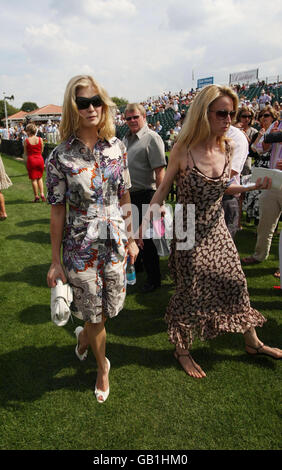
100,395
83,356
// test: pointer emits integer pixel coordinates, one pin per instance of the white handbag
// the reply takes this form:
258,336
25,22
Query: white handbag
61,299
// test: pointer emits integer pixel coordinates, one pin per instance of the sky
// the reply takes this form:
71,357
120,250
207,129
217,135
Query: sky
133,48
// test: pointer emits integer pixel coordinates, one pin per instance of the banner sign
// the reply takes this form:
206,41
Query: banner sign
204,81
248,76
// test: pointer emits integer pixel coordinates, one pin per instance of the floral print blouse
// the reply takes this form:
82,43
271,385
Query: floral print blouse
92,182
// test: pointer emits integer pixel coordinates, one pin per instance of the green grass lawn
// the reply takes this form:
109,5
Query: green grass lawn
46,394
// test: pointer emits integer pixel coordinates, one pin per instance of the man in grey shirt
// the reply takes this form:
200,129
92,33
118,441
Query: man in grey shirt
146,163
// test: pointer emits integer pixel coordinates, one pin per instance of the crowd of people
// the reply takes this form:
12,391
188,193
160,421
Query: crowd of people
179,102
48,131
95,181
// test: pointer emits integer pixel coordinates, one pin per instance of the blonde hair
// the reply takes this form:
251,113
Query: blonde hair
130,107
31,129
70,122
196,126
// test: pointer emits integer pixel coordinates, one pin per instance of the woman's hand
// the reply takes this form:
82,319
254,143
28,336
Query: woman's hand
55,271
133,251
263,184
275,127
261,133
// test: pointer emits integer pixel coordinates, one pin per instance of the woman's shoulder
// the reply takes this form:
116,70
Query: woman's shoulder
57,152
179,148
179,155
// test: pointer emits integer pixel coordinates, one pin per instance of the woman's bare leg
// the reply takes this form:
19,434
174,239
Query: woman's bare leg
40,186
96,335
2,206
254,346
35,187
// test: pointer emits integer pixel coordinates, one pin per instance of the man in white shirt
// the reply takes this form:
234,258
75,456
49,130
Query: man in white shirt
263,100
177,128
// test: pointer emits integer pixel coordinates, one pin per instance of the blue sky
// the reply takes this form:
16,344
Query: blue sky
134,48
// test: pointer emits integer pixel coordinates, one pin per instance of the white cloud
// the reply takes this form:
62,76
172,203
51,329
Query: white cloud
95,10
48,44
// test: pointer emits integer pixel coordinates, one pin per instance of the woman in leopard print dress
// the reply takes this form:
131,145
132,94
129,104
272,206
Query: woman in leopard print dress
211,295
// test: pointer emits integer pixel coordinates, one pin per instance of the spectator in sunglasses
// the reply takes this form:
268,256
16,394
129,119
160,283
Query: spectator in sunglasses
211,295
244,121
88,173
270,202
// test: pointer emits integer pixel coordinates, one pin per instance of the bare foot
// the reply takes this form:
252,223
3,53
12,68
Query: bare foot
262,349
189,365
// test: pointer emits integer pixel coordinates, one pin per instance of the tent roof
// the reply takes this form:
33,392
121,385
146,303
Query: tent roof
49,109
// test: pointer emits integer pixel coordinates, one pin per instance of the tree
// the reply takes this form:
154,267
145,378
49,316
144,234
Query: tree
29,106
10,109
120,102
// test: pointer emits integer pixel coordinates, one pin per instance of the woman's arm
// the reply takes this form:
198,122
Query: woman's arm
57,223
24,152
257,144
169,176
161,194
133,249
259,184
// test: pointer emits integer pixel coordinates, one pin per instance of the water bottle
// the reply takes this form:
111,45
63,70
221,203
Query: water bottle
130,273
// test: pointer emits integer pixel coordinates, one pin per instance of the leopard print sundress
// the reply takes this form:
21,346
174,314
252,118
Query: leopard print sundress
211,295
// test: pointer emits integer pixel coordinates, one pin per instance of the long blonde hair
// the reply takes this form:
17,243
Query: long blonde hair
70,115
196,126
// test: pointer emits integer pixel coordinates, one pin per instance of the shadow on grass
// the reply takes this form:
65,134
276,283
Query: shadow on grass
28,373
137,324
27,223
16,201
18,176
33,275
32,237
259,272
36,314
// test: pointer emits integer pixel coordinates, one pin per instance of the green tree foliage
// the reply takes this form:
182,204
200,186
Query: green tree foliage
10,109
29,106
120,102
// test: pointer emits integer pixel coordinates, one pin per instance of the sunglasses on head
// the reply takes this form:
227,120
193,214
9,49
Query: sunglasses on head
265,115
84,103
131,117
222,114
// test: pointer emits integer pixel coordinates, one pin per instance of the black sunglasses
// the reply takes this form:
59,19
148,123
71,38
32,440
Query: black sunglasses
84,103
246,116
132,117
222,114
265,115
